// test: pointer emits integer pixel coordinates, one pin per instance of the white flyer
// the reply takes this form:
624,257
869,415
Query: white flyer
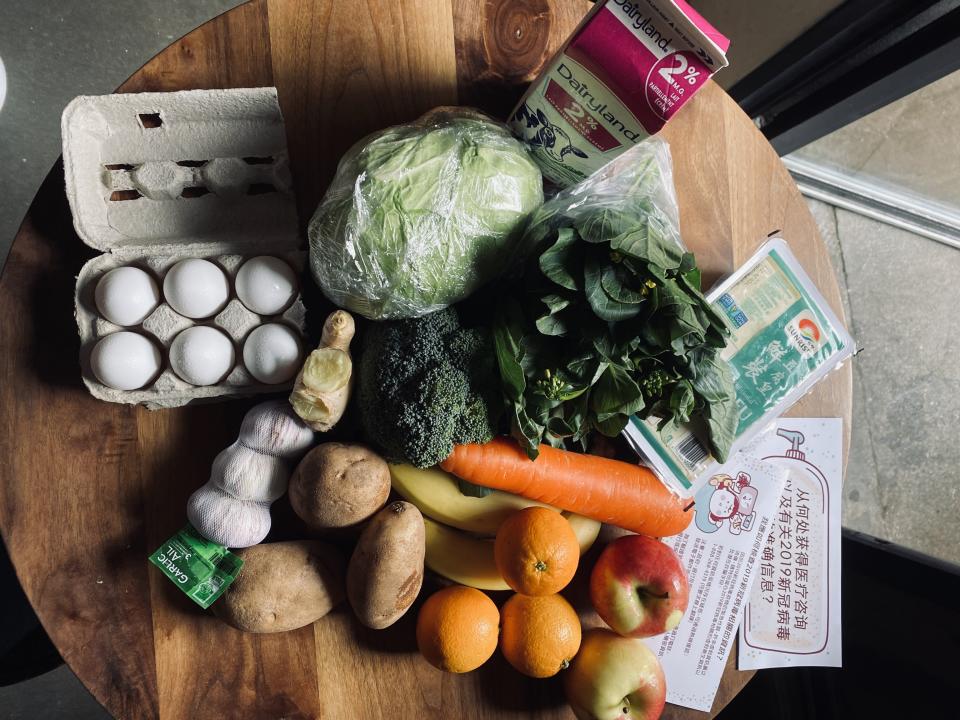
719,551
792,617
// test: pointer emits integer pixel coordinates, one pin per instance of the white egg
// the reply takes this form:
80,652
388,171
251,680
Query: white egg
266,285
126,295
202,355
125,360
272,353
196,288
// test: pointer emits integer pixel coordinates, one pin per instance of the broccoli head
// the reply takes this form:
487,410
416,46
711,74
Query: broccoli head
427,384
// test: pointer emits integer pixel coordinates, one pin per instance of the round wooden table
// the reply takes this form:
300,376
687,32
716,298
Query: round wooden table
88,489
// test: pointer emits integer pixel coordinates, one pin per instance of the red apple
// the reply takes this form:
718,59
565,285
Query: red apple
615,678
638,587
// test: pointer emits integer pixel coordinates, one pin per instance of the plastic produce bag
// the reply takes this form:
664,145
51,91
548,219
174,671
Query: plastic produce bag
418,216
611,322
638,185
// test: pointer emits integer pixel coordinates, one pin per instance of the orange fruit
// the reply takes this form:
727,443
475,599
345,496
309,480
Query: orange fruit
540,634
457,629
536,551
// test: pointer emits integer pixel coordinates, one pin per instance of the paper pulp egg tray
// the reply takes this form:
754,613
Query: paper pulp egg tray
153,178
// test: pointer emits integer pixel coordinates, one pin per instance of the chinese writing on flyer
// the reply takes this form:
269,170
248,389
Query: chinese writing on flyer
792,617
719,552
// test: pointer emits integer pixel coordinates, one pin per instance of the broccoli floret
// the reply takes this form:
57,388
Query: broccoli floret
427,384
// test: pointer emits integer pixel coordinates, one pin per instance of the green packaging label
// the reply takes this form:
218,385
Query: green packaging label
779,338
200,568
784,338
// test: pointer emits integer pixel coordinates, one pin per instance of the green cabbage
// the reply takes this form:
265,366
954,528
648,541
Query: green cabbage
419,216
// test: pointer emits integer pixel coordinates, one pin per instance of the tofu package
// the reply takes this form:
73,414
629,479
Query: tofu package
626,70
155,178
784,339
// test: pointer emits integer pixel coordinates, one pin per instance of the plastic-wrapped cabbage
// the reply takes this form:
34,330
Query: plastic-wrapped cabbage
418,216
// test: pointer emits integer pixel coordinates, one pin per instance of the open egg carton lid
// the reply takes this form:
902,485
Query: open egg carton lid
153,172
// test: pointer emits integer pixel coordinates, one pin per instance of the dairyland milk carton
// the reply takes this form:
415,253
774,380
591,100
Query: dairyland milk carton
625,71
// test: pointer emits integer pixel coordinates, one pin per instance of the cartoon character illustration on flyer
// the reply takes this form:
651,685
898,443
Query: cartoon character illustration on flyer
729,501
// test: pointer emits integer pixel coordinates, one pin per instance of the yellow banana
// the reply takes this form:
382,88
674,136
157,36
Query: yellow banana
585,529
469,560
436,495
461,558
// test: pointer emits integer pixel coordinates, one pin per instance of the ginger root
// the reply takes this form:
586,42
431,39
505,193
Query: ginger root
323,386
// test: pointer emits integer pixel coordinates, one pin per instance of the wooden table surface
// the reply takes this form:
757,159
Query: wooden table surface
89,489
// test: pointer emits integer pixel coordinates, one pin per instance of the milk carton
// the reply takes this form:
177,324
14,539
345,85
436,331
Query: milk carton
625,71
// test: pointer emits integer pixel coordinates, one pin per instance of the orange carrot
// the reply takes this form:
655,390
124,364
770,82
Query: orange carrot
619,493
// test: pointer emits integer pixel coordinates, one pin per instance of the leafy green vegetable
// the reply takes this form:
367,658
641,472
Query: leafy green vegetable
611,321
471,490
426,384
419,216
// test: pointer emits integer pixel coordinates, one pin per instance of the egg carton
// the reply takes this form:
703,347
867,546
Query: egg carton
153,178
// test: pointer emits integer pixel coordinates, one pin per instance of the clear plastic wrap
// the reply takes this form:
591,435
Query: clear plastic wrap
418,216
638,183
610,321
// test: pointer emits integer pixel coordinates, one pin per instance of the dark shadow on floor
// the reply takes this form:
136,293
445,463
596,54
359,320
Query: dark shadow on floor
901,644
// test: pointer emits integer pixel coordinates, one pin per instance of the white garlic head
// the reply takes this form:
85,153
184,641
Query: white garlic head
273,428
226,520
233,507
246,474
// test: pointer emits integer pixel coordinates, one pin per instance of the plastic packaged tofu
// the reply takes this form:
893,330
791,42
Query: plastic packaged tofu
155,178
784,340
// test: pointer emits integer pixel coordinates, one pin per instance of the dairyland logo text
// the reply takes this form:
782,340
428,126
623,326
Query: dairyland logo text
582,90
643,24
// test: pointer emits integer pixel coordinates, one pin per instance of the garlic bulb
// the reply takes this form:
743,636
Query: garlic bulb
227,520
273,428
233,507
250,475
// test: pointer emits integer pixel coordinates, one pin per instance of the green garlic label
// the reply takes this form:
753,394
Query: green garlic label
203,570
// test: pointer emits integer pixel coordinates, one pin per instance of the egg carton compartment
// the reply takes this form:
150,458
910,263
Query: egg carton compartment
164,323
154,178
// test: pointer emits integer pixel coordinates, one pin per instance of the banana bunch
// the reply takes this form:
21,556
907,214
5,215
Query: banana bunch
460,528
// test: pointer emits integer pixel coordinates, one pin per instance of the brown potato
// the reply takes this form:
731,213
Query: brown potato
283,586
386,570
338,486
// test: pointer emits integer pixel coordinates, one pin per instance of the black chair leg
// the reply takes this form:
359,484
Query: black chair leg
25,649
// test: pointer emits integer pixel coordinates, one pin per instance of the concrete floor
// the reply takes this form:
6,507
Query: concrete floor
53,51
901,294
56,695
758,29
900,290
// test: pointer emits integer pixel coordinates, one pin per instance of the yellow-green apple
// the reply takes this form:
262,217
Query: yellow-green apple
638,587
615,678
